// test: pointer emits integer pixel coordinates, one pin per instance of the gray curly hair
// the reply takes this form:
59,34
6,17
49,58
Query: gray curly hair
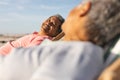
103,21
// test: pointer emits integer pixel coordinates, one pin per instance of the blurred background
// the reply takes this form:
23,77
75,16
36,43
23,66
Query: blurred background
26,16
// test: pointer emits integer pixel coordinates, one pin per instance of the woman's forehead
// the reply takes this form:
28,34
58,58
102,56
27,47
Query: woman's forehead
54,17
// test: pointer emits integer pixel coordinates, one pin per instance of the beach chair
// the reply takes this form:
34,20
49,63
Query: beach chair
112,51
58,37
112,62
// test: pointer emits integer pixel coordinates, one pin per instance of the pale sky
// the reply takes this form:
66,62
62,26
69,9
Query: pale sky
26,16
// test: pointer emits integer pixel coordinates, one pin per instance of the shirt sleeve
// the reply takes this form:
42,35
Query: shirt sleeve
5,49
29,40
37,40
21,42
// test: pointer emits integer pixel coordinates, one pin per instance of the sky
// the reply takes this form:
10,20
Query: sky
26,16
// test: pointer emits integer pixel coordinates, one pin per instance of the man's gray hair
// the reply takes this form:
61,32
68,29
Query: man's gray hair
103,20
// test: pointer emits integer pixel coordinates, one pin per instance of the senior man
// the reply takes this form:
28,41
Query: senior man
79,57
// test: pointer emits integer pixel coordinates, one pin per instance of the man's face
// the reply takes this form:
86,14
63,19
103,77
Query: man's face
73,27
52,25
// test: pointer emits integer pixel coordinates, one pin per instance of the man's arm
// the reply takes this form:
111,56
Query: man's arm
112,72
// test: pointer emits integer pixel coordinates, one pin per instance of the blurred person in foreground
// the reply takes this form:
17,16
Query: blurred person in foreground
49,29
78,57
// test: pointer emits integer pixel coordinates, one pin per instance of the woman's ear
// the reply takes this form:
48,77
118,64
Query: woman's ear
85,8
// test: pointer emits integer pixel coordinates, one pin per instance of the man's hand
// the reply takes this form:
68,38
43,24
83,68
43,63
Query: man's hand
112,72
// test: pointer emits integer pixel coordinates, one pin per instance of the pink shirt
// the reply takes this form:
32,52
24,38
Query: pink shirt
25,41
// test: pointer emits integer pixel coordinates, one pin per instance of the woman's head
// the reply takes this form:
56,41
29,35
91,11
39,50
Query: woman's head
52,26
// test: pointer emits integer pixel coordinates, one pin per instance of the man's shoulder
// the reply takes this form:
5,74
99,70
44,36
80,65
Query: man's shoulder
73,44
